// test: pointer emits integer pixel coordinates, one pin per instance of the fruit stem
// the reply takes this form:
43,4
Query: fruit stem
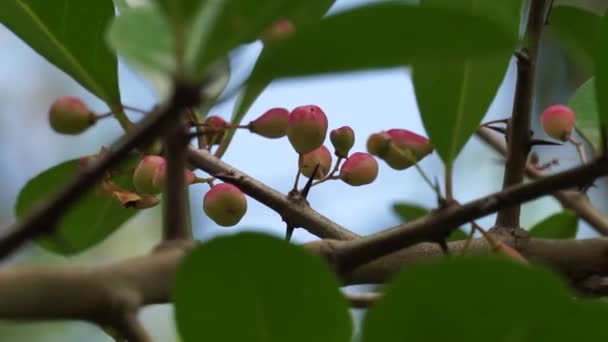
580,148
332,174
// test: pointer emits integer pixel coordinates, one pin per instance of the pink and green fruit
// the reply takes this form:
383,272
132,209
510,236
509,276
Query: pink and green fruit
320,156
342,139
306,128
272,124
359,169
225,204
69,115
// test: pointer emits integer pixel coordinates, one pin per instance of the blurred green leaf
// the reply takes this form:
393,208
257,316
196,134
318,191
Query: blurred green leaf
341,43
563,225
584,104
470,299
143,38
466,89
409,212
578,32
601,74
304,14
90,221
252,287
69,34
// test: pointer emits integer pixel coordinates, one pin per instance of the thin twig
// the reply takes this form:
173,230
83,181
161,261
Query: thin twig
574,200
43,219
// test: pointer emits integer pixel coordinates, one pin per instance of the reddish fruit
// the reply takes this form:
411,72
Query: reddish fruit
399,148
377,143
320,156
225,204
306,128
160,176
272,124
279,30
69,115
143,177
216,129
343,139
558,122
359,169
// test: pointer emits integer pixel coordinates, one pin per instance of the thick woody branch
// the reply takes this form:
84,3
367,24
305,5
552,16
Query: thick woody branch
176,225
43,219
297,212
349,254
105,294
574,200
519,124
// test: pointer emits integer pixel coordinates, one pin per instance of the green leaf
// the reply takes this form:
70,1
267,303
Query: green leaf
601,74
466,89
252,287
409,212
69,34
469,299
143,38
563,225
90,221
578,32
428,36
584,104
242,21
304,14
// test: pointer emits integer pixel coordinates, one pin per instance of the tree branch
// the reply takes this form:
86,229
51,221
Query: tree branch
297,213
519,124
349,254
573,200
43,219
107,294
176,213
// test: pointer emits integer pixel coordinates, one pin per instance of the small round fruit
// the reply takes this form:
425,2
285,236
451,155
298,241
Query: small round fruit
359,169
225,204
558,122
306,128
160,177
343,139
69,115
272,124
216,129
377,143
143,177
404,148
320,156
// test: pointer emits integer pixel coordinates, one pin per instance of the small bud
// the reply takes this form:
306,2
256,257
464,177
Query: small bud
558,122
343,139
309,160
377,143
306,128
399,148
143,177
359,169
279,30
225,204
160,177
69,115
272,124
216,129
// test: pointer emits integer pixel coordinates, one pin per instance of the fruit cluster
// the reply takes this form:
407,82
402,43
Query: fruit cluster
306,128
